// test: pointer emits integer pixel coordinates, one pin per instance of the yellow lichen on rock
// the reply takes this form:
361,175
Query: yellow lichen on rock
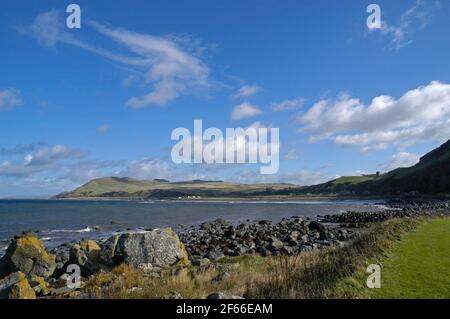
89,245
33,245
184,260
40,286
22,289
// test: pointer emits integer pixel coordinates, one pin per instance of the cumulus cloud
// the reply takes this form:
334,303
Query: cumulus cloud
288,104
247,90
245,110
170,65
421,114
10,98
402,159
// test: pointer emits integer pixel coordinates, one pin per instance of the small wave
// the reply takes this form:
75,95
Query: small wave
46,238
83,230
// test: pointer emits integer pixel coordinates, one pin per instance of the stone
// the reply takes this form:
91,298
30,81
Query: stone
40,286
16,286
159,248
275,243
106,254
10,280
287,250
215,255
28,255
316,226
201,262
62,291
86,255
223,295
174,295
221,277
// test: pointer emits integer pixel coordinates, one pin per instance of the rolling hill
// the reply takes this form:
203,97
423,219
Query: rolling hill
430,176
116,187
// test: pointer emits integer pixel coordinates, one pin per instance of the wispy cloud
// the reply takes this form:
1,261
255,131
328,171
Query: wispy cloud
245,110
288,104
21,149
10,98
421,114
171,67
104,128
400,34
301,177
246,91
39,161
402,159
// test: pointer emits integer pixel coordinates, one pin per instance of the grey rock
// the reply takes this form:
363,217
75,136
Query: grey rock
160,248
9,281
28,255
223,295
174,295
201,262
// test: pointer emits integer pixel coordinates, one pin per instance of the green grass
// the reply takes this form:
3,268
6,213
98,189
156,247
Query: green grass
419,265
352,179
98,187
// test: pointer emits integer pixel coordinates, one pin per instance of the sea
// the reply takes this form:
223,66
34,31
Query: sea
58,221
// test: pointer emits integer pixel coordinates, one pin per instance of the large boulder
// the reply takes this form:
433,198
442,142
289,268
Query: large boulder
28,255
156,248
86,255
16,286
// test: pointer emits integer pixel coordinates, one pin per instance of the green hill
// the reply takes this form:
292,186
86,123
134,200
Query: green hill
430,176
115,187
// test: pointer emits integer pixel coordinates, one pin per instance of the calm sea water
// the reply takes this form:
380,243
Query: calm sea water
58,221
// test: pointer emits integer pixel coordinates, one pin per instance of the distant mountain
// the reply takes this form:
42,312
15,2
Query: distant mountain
117,187
430,176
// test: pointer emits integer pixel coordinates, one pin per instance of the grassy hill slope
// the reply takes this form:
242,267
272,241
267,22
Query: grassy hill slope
139,189
430,176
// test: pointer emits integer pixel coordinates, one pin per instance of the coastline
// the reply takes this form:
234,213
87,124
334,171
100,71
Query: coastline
211,247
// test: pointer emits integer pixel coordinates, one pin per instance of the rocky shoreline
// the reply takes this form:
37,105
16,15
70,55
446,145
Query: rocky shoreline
28,270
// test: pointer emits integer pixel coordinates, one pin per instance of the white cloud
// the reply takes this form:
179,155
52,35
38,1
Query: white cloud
170,65
288,104
291,155
247,91
21,149
39,161
245,110
302,177
147,168
10,98
421,114
49,155
400,34
104,128
402,159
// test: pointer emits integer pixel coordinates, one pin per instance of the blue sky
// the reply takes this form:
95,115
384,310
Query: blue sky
77,104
